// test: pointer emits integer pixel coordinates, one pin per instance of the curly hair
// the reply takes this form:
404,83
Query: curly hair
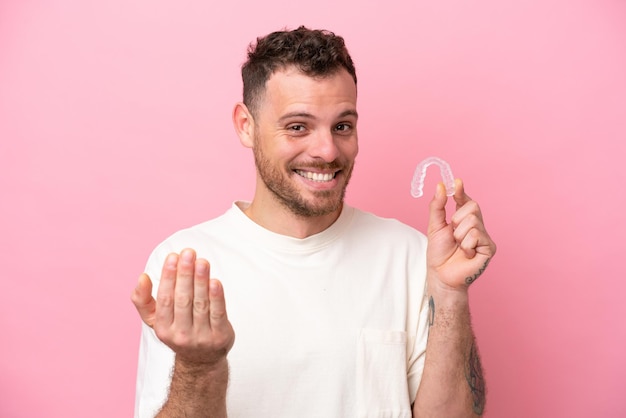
316,53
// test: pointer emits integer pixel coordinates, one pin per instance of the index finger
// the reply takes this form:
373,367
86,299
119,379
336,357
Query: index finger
165,291
460,197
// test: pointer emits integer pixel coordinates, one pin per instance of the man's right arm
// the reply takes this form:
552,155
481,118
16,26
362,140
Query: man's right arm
189,316
197,391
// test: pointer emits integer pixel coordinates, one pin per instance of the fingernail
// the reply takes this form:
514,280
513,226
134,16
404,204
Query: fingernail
214,287
201,267
187,256
171,260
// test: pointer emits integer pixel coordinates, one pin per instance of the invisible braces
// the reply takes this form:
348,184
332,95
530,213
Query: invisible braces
417,185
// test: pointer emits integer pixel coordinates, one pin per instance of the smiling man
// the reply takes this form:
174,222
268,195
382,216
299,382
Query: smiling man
338,313
304,138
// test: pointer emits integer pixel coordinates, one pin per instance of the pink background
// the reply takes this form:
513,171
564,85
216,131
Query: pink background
115,131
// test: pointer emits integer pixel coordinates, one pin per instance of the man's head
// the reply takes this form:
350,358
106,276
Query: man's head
315,53
300,120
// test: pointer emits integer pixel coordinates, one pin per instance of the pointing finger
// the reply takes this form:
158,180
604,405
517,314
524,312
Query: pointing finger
165,293
460,197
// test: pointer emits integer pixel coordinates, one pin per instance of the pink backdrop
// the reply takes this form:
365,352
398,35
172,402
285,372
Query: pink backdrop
115,131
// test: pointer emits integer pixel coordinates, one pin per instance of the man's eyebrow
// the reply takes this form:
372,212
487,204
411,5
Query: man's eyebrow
350,112
295,115
307,115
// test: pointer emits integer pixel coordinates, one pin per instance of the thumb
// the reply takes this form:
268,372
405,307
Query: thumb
143,300
437,210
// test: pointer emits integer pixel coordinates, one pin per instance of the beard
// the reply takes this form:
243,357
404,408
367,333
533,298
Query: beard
286,192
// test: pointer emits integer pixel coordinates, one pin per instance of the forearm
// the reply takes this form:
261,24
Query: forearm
452,383
197,391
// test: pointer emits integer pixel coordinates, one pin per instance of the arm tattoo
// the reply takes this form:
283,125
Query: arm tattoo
475,380
472,279
431,312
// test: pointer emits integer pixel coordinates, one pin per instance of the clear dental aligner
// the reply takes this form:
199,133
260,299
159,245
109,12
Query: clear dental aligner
417,185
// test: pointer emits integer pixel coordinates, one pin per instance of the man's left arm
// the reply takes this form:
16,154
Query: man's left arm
458,253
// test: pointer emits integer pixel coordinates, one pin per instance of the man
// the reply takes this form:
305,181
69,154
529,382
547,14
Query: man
338,313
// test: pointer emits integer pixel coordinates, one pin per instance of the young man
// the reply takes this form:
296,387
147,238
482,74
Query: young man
338,313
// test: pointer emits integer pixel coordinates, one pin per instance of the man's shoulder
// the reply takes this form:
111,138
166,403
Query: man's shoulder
203,237
372,223
208,227
367,217
204,231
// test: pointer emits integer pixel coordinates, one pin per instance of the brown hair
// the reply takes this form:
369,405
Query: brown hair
316,53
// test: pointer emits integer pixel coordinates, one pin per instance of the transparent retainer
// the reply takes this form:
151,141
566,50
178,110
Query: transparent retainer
417,185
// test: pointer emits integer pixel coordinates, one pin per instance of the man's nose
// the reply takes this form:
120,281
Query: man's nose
324,146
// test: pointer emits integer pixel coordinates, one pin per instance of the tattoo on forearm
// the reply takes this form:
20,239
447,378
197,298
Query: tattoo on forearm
431,312
475,380
472,279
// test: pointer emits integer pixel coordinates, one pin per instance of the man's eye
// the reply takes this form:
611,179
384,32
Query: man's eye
342,127
296,128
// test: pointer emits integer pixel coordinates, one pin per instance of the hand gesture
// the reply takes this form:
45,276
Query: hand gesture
459,251
189,313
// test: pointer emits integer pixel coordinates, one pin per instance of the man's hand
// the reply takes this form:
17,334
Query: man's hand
460,251
189,313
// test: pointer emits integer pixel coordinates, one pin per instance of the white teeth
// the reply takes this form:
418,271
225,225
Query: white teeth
321,177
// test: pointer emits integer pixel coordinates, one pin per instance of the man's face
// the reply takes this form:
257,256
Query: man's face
306,140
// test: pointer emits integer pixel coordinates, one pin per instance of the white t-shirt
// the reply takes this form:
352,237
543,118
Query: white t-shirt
332,325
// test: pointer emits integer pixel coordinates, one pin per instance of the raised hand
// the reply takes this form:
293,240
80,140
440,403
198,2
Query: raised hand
189,312
459,251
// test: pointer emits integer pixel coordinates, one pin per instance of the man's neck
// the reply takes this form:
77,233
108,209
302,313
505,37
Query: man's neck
277,218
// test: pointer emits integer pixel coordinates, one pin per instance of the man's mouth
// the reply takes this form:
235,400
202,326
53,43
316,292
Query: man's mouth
318,177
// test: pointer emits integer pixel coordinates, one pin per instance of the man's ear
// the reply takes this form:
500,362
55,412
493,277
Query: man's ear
244,124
